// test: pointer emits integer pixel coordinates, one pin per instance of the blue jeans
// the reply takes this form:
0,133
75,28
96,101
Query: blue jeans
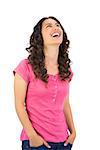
54,146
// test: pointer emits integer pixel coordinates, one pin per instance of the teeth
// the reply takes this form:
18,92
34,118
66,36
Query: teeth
55,34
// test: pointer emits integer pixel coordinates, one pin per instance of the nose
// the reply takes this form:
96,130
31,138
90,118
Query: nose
55,28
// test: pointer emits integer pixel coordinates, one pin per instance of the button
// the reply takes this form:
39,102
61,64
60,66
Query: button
53,99
55,86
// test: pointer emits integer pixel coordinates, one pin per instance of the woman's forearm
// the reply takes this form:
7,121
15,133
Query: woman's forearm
68,116
23,117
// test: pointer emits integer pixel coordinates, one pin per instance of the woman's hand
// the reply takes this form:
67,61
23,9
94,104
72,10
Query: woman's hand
38,141
70,139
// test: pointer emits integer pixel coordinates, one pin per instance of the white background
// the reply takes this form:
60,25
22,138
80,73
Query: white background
80,19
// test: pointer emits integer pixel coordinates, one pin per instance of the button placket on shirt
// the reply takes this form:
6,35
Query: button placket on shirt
55,88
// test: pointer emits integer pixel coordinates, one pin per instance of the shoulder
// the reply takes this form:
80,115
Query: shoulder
22,69
24,61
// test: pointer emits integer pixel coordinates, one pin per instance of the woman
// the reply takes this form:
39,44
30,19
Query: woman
41,88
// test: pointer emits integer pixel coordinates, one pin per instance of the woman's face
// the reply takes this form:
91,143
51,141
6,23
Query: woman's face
52,32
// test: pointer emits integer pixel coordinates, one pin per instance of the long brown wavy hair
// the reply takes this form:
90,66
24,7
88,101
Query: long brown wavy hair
37,58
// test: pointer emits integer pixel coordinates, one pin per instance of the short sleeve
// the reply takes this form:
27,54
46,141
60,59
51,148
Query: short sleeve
22,70
71,75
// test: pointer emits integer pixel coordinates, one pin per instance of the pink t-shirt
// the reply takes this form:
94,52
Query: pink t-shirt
44,105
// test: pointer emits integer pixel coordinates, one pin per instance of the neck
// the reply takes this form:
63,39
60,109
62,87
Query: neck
51,55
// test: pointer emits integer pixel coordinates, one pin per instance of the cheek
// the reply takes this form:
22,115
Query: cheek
43,36
62,33
46,36
62,36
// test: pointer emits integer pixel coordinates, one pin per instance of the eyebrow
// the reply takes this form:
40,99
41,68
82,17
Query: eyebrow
49,23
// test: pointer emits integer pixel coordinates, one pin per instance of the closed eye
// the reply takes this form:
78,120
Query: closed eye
48,26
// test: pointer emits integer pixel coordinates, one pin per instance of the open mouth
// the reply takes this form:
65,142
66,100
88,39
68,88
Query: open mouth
56,34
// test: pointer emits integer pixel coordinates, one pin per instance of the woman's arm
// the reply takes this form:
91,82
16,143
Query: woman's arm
20,87
69,118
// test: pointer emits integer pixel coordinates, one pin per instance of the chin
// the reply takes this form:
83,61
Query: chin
57,42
